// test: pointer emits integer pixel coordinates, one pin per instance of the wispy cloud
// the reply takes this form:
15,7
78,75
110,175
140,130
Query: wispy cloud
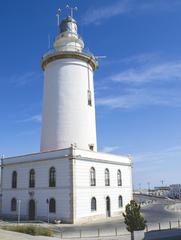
35,118
95,16
160,156
99,14
168,71
109,149
142,97
150,81
24,78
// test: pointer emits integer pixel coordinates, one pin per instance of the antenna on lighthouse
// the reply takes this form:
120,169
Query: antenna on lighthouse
72,9
100,57
58,16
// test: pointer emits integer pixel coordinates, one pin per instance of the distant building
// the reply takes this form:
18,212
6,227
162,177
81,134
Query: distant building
175,191
162,191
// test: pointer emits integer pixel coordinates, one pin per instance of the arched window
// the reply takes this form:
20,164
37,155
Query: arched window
119,178
92,177
32,178
52,205
14,179
93,204
13,204
107,180
120,201
52,177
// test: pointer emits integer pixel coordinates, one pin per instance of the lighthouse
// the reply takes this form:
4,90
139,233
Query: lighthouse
68,106
68,180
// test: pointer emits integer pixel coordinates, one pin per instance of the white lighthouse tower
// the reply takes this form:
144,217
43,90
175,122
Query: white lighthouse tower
68,106
64,182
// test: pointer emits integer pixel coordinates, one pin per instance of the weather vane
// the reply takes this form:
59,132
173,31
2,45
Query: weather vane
72,9
58,16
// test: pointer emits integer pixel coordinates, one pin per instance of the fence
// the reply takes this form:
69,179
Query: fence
95,234
163,225
115,232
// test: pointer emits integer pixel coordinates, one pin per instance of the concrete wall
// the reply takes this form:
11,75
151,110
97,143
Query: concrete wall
67,117
84,192
42,191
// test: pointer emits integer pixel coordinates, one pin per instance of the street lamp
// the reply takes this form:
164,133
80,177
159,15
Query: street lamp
48,218
148,188
19,210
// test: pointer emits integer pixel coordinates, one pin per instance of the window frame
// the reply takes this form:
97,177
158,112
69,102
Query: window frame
107,177
32,178
120,201
52,205
52,177
13,204
92,177
89,98
93,204
14,179
119,178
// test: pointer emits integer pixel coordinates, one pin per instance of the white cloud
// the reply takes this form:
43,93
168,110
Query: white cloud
24,79
168,71
34,118
158,157
109,149
97,15
142,97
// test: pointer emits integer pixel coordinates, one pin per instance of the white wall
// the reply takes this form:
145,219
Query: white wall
67,117
41,191
84,192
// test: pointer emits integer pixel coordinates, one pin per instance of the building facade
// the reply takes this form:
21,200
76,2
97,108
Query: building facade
68,180
175,191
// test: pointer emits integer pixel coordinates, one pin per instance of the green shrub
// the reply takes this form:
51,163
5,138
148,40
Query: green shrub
30,229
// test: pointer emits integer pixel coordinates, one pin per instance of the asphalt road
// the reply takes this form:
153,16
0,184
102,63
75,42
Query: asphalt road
154,214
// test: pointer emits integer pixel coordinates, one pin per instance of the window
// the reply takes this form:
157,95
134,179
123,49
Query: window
32,178
13,204
119,178
52,205
107,180
92,177
120,201
91,147
89,98
93,204
14,179
52,177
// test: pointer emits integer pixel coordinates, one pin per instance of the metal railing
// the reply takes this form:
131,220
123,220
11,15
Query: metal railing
120,232
85,51
96,234
163,226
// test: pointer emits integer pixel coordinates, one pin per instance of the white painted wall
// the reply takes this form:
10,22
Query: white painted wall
84,192
42,191
67,117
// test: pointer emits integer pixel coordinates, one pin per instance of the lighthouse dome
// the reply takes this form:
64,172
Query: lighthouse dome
68,25
68,38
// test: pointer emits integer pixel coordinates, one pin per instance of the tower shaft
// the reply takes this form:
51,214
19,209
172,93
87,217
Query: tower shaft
68,106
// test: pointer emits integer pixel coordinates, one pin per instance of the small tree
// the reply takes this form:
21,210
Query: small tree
133,218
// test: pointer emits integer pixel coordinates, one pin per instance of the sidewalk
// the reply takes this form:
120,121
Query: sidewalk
8,235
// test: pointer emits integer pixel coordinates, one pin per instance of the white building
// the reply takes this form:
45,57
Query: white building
68,179
175,191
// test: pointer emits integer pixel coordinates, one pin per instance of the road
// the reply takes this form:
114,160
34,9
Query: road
154,213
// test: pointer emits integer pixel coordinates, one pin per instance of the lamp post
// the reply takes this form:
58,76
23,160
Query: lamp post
19,210
148,188
48,218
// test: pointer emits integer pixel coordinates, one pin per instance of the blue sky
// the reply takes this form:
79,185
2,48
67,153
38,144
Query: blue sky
138,85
